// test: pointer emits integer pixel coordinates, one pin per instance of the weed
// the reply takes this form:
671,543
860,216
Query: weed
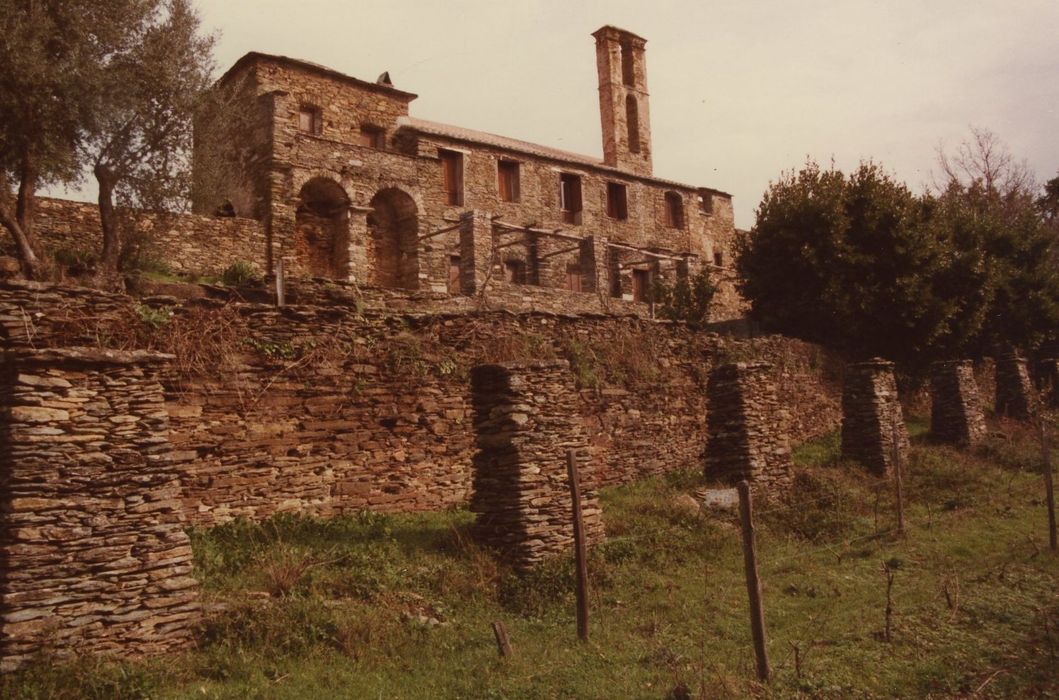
240,273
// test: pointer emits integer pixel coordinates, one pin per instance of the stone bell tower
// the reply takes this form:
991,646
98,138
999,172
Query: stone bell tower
623,107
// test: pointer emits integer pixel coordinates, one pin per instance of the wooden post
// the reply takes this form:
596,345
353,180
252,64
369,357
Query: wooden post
753,583
280,292
579,547
503,644
898,479
1048,485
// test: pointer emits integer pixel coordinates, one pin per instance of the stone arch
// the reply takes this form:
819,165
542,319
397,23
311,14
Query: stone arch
321,229
393,239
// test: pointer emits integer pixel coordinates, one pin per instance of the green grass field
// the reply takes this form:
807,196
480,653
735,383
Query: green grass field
372,606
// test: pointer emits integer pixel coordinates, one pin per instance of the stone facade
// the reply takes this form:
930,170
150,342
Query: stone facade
95,557
748,437
1015,397
350,186
525,420
956,408
872,416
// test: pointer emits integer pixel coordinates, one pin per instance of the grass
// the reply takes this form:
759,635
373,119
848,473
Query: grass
365,605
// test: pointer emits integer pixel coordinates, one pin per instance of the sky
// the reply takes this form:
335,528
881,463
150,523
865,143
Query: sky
740,91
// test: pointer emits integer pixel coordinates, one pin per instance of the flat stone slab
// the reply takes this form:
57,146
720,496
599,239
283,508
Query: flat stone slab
719,499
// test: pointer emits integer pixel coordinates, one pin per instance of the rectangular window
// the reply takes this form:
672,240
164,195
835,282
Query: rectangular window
507,180
454,274
452,176
310,120
617,204
515,271
674,210
570,198
573,278
641,284
372,137
718,259
706,203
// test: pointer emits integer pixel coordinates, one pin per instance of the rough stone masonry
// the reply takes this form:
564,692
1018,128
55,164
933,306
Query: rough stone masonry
747,428
525,421
872,416
1014,391
956,408
93,551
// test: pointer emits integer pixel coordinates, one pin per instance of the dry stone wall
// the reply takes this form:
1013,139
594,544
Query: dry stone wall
872,418
525,420
93,551
1014,391
747,428
956,408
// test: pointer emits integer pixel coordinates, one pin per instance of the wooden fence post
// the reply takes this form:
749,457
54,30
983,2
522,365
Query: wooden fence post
503,644
280,291
753,583
1048,484
579,546
898,479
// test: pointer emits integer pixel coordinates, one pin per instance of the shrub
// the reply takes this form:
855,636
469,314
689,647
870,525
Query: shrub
239,273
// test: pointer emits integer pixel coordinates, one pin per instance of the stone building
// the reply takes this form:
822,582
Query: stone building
350,186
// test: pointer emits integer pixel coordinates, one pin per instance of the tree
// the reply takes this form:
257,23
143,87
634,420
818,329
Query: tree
993,207
48,50
139,141
851,262
688,299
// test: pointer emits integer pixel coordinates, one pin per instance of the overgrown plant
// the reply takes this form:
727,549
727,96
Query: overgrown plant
688,299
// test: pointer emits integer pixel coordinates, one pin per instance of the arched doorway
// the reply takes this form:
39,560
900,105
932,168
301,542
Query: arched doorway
321,229
393,230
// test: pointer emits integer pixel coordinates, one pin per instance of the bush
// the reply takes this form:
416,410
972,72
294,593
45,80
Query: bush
239,273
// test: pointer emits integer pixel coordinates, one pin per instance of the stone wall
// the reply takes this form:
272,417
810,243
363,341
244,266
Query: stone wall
1015,396
183,242
872,417
332,408
956,408
525,420
747,428
93,554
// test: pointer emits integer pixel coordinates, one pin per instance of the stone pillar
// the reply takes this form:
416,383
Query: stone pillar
94,554
1049,371
1014,391
870,413
747,427
956,409
525,419
476,251
593,262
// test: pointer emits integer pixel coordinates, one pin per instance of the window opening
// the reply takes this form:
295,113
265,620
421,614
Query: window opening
507,180
674,210
570,198
617,203
452,176
310,119
632,121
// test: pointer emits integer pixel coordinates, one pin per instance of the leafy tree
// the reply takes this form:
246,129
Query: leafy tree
49,50
688,299
851,262
139,141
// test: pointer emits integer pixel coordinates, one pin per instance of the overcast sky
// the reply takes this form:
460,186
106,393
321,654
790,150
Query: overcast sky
740,90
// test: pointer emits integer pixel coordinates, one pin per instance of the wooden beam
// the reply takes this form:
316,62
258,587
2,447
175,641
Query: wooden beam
644,251
440,231
558,252
557,233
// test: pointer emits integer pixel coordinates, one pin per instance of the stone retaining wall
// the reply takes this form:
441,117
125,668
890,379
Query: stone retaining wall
747,428
93,554
956,408
872,416
525,420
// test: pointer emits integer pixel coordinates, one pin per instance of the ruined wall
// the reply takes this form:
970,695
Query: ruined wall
183,242
93,554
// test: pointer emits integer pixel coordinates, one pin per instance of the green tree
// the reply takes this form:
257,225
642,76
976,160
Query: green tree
851,262
138,144
688,299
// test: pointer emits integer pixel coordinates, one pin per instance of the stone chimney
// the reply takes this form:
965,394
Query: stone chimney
623,109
